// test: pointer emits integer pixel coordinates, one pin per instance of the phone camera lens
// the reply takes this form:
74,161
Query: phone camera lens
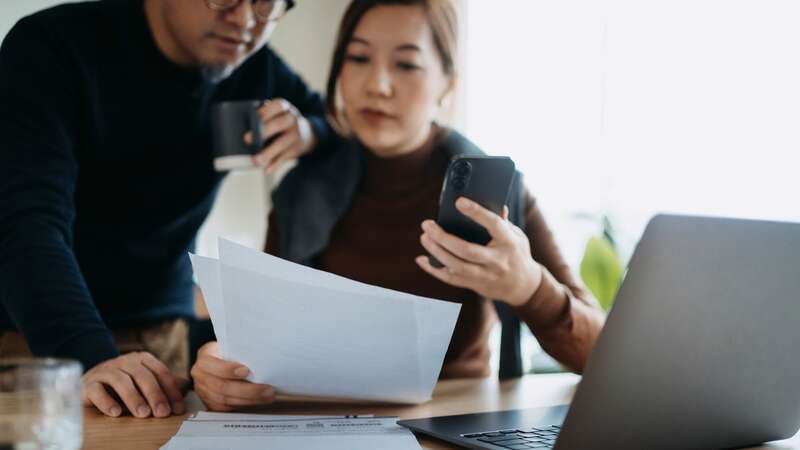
462,168
459,183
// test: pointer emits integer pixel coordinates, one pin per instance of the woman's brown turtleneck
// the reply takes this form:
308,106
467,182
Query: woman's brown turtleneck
378,238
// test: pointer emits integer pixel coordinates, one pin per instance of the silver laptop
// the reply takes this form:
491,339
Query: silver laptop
701,350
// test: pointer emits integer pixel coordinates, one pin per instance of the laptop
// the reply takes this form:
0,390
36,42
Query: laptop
700,351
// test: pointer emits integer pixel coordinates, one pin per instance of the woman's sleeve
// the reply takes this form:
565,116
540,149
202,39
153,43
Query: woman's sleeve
562,314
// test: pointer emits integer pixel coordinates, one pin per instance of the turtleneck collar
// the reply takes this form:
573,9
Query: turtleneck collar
405,173
192,77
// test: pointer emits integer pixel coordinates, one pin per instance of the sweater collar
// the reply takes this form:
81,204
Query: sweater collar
405,173
191,77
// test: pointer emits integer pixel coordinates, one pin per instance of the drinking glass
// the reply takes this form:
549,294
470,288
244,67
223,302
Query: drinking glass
40,404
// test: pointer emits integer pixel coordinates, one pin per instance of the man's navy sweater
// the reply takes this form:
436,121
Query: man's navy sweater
106,173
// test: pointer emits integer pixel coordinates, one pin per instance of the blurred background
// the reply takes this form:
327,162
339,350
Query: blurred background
613,109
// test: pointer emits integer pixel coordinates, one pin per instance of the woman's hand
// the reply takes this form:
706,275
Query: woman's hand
221,384
293,134
503,269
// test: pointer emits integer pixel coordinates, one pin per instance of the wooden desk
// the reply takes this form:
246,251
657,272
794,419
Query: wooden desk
450,397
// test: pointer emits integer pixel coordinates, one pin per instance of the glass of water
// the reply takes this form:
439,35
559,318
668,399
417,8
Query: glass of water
40,404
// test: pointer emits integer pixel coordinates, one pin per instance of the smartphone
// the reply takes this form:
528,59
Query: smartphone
485,180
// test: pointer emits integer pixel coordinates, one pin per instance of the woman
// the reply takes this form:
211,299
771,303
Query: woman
357,211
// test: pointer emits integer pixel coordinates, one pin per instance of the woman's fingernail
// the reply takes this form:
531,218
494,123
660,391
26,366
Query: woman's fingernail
115,411
464,203
143,410
242,372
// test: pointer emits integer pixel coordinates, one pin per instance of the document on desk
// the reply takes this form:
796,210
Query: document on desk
311,333
278,433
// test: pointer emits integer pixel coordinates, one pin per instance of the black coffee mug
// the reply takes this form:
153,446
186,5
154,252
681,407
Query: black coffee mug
229,122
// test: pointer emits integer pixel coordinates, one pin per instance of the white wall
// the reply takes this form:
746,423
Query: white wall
13,10
305,37
631,107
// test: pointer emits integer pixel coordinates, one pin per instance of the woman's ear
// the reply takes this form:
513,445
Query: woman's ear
449,91
339,121
445,105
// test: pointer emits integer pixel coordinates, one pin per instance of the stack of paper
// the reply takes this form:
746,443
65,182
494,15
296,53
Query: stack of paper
312,333
209,431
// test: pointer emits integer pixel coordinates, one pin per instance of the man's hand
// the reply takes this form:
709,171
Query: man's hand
143,383
293,134
222,385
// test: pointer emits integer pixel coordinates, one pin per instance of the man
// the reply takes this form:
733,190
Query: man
106,175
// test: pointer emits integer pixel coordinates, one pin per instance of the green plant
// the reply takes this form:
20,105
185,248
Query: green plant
601,266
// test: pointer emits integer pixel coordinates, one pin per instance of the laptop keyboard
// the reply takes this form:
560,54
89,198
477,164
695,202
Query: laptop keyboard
537,437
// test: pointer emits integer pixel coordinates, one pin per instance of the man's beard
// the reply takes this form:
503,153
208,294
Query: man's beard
216,74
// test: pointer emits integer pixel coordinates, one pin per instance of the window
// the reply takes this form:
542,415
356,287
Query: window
633,107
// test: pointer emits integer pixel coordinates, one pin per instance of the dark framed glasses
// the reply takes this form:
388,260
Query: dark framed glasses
264,10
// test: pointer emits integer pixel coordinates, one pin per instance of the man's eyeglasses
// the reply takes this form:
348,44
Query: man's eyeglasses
264,10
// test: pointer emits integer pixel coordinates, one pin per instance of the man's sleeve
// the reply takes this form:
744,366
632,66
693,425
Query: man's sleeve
290,85
41,285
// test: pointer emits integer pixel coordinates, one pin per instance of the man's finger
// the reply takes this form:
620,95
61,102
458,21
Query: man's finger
148,385
278,124
288,155
167,381
123,385
97,395
278,146
274,108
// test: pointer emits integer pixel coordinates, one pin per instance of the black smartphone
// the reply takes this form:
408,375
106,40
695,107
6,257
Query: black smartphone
485,180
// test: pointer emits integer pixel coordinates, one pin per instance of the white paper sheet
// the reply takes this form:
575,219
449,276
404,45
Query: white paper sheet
206,271
312,333
227,416
291,432
342,442
290,425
